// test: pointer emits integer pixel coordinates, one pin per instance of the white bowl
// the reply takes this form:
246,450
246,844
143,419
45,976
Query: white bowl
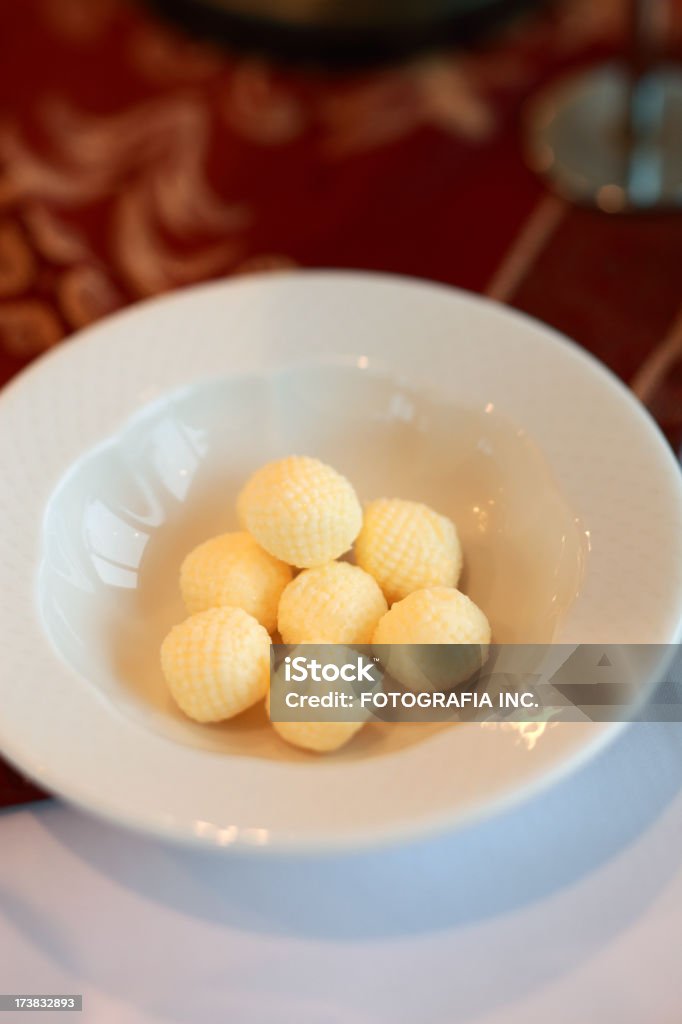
124,449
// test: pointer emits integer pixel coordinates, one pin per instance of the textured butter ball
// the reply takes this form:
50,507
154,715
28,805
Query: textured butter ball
233,569
406,546
319,737
301,511
411,639
217,663
330,732
336,603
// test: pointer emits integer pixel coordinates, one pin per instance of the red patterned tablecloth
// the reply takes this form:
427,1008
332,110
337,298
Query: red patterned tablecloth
133,161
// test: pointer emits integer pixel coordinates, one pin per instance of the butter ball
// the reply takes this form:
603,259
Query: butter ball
406,546
301,511
333,728
337,603
217,663
433,639
318,737
232,569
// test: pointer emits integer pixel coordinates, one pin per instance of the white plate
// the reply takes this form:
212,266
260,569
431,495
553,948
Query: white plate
125,446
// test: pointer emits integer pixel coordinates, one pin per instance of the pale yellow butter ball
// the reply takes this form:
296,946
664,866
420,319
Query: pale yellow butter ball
336,603
411,639
301,511
217,663
406,546
331,731
319,737
233,569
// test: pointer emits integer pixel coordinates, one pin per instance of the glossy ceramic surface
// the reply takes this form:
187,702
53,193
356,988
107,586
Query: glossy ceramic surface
126,447
123,519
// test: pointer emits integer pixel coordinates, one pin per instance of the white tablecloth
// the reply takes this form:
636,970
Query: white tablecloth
566,910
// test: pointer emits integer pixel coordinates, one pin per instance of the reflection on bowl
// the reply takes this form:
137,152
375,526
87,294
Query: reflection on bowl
120,523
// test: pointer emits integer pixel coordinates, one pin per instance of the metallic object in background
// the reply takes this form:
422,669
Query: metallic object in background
341,31
612,137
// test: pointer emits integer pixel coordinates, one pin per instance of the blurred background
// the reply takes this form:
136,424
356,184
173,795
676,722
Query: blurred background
149,146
